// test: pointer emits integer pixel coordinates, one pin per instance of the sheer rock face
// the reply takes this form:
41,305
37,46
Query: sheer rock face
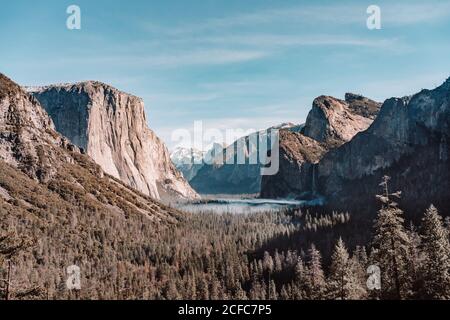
330,124
27,134
296,176
408,141
111,127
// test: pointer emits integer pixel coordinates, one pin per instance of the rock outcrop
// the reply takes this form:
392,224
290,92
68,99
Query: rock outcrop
334,121
27,134
331,123
111,127
408,141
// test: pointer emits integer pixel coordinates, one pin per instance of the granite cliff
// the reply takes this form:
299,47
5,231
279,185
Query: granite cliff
44,177
111,127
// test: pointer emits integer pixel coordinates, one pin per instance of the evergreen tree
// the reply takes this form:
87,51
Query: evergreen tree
272,294
240,294
343,282
415,264
391,247
315,279
437,250
359,270
268,263
300,280
284,294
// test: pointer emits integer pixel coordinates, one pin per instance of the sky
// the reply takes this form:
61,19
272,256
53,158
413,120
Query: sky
231,64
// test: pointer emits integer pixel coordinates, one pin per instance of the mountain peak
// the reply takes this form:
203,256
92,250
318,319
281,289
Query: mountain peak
336,121
446,84
350,97
88,86
7,86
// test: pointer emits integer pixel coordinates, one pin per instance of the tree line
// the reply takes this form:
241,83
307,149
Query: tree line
210,256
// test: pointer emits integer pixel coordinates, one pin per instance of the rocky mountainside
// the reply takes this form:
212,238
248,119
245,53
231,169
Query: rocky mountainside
27,135
224,174
331,123
62,206
409,141
111,127
298,154
42,172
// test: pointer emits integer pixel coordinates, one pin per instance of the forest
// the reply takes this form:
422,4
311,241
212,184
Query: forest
289,255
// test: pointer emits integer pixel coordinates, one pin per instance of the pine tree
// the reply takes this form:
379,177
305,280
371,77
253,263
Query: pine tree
277,262
272,291
315,279
300,280
268,262
343,282
284,294
415,264
437,250
391,247
240,294
359,271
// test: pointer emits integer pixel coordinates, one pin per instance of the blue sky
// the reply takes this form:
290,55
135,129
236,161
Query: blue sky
232,64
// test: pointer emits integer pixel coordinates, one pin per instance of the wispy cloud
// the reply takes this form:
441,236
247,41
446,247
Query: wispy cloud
393,14
173,98
204,57
303,14
208,56
411,13
280,40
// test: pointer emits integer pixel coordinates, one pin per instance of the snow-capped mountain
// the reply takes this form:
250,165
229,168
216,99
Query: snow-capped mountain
181,156
188,161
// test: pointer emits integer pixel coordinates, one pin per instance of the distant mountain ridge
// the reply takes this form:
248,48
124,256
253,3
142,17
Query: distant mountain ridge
224,174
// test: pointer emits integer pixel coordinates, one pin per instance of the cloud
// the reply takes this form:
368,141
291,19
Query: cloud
324,15
208,56
298,14
204,57
279,40
412,13
173,98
